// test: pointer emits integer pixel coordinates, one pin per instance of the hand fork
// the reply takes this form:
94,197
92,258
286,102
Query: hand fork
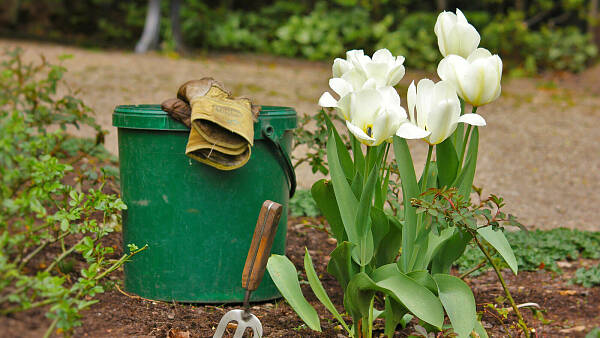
254,269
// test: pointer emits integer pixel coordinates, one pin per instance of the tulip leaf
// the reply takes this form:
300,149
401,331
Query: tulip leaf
394,314
322,193
415,297
380,227
319,291
357,185
340,264
497,239
391,243
363,220
347,202
447,162
410,189
424,278
449,251
458,301
479,330
285,276
359,157
343,154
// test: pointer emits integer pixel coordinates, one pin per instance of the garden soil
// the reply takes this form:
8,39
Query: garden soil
567,310
540,149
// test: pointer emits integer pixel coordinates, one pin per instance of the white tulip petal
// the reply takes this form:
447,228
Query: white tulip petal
390,97
410,131
395,75
355,78
411,100
344,106
460,17
326,100
377,71
383,56
472,119
479,53
360,134
425,89
340,86
442,121
340,66
385,126
467,43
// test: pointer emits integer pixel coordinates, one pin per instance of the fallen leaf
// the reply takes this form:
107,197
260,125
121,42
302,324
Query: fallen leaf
578,328
175,333
567,292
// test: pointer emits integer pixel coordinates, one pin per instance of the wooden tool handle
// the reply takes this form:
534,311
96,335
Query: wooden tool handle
260,248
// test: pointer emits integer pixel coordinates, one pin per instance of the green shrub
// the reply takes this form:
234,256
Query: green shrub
54,211
587,277
540,249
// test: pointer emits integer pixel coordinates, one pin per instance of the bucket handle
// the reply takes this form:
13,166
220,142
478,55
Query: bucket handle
269,134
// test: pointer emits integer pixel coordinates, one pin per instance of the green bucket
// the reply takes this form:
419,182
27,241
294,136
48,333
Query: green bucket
198,221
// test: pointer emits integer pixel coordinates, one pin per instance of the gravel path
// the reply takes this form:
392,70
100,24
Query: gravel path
540,150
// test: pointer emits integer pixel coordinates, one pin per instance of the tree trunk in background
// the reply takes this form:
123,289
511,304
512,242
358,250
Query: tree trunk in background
520,5
149,39
594,22
176,26
441,5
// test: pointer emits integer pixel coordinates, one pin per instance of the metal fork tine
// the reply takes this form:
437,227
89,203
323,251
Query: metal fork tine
237,316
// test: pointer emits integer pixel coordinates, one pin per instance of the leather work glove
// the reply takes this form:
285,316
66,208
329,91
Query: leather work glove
222,127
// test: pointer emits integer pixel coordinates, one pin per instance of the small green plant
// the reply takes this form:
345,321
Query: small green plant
302,204
587,277
541,249
55,212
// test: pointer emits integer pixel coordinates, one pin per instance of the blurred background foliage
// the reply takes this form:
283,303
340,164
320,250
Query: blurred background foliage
530,35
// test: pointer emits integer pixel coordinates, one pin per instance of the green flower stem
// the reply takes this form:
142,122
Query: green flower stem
506,291
426,169
51,328
461,155
120,262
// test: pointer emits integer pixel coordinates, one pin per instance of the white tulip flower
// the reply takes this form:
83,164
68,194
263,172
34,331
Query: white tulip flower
373,115
383,68
455,35
476,79
434,107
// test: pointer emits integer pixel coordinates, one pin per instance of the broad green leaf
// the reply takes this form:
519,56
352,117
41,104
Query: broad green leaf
357,185
322,193
497,239
394,314
359,157
447,162
363,220
343,154
347,203
358,295
285,277
380,226
383,191
410,190
340,264
385,271
457,136
435,242
318,289
424,278
478,329
450,251
459,302
415,297
389,247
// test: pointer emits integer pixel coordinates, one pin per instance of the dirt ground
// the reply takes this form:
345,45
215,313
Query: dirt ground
567,310
540,149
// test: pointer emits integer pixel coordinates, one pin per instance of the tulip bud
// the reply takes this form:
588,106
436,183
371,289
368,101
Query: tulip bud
455,35
476,79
